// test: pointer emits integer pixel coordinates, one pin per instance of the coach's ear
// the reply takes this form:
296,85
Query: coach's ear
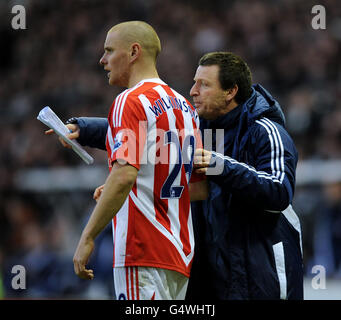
135,52
231,93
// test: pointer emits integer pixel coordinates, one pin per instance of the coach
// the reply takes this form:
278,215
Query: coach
247,236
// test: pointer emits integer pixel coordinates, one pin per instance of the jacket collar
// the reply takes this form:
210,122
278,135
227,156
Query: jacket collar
227,120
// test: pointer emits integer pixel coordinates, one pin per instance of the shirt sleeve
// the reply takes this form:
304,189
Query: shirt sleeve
127,133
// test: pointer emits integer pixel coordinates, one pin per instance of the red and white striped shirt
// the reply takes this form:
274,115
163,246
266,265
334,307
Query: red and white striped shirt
154,129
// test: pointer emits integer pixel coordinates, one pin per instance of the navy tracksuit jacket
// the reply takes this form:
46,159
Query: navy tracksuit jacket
247,236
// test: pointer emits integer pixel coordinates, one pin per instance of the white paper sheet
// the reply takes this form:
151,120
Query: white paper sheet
49,118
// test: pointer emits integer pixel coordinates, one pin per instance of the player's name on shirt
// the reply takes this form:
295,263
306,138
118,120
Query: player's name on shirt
163,105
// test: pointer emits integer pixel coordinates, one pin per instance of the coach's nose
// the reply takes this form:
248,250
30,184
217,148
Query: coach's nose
194,90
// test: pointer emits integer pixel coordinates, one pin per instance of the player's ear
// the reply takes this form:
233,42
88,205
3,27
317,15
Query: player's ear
135,51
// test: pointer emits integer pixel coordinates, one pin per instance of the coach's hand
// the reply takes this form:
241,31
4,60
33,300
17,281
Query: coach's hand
74,134
98,192
202,160
81,257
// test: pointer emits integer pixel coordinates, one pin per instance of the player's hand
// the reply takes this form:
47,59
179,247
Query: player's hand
81,258
74,134
202,160
98,192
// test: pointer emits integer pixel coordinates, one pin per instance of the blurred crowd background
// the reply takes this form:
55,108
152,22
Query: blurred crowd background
46,190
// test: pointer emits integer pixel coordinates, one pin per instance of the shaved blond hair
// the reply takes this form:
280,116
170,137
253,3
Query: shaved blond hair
139,32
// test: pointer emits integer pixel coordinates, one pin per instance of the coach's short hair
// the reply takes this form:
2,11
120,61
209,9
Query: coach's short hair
233,70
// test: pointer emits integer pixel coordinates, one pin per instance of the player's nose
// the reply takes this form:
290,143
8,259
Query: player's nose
103,60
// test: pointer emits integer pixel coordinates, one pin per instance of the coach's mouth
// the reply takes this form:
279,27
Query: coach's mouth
108,75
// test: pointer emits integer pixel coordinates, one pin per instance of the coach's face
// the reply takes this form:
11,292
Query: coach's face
116,59
210,100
